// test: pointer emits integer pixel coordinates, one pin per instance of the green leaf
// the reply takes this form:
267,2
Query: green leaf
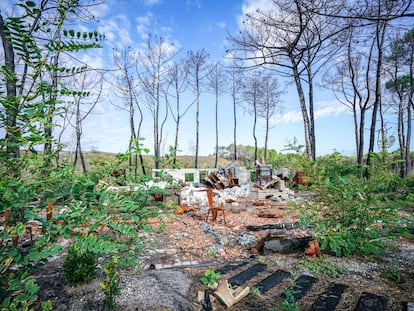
30,4
20,228
6,302
30,111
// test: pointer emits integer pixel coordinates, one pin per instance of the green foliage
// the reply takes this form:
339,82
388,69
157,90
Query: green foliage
210,277
30,179
212,252
23,289
255,292
322,265
290,303
111,286
392,272
79,266
353,214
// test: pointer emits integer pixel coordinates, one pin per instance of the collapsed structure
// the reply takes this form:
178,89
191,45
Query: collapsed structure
230,183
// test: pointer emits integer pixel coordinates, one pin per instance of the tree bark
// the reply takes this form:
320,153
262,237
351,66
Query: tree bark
302,101
12,108
380,37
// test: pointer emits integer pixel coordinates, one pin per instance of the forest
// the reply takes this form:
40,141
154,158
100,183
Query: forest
362,52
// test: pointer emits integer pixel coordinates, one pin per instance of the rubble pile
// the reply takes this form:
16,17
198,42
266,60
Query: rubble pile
259,219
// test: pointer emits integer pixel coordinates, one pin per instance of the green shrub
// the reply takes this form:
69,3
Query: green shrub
111,286
353,214
79,266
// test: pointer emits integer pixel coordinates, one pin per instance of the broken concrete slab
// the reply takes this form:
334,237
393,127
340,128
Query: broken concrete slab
285,245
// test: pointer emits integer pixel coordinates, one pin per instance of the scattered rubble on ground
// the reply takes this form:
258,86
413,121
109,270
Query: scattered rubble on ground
260,220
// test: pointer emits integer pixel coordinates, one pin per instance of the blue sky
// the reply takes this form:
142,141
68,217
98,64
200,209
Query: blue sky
193,25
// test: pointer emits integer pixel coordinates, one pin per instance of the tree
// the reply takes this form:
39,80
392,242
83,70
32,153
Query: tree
401,63
380,16
127,87
10,105
152,68
293,40
252,94
84,102
196,65
269,104
235,90
351,80
35,40
178,78
27,112
217,84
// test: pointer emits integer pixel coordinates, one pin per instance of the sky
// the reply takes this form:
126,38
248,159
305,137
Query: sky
194,25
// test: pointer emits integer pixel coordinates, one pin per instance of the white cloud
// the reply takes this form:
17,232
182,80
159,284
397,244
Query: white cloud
327,109
99,11
152,2
322,110
117,31
221,25
288,117
143,23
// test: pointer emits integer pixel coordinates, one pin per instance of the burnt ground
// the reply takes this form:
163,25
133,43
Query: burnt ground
179,256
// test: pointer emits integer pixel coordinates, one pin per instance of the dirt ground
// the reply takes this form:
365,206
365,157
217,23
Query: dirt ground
178,257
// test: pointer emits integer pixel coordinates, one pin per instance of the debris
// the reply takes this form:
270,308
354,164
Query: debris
329,299
284,245
230,296
272,280
246,239
301,179
247,274
270,214
263,173
313,250
206,300
215,211
290,225
371,302
183,209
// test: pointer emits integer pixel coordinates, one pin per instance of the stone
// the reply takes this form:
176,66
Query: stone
246,239
284,246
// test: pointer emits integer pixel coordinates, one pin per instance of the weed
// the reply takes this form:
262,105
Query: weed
392,273
210,277
111,286
290,303
255,292
212,252
322,265
79,266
